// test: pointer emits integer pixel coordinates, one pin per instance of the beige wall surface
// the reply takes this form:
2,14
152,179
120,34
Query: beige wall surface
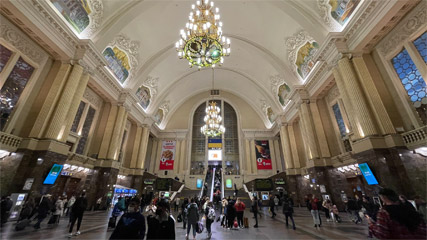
249,119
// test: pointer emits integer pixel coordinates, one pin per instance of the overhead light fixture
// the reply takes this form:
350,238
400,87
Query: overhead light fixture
213,119
202,42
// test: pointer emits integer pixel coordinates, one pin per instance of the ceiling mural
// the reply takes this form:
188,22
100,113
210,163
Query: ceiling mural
270,115
84,16
144,97
337,13
268,111
280,89
158,117
122,57
301,50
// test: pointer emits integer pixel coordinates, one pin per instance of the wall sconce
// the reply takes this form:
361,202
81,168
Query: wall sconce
307,176
73,167
66,166
39,161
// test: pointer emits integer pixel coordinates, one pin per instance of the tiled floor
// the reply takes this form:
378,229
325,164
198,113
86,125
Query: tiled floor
94,226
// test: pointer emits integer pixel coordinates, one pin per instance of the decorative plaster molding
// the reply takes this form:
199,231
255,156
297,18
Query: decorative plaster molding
264,105
87,68
93,98
366,13
131,48
95,17
333,94
13,36
151,83
276,81
294,43
410,24
324,9
165,107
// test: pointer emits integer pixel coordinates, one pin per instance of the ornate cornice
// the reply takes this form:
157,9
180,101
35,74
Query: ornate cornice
409,25
151,82
93,98
366,13
13,36
95,18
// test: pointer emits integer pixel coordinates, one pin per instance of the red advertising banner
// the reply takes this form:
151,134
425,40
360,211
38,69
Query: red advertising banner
168,155
263,159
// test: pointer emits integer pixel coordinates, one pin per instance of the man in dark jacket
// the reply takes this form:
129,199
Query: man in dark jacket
272,205
255,210
132,224
288,209
77,213
192,218
161,225
44,207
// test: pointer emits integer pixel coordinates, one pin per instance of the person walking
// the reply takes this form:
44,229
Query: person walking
336,214
327,205
288,210
276,203
192,218
70,204
44,208
184,212
224,205
210,218
161,225
396,220
314,206
240,209
272,206
177,201
231,214
77,213
59,209
27,209
132,224
255,210
353,208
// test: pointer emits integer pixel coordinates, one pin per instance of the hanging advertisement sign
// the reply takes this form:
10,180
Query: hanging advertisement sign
168,155
262,154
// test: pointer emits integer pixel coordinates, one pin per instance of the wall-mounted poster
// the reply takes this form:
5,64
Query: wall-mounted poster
144,96
262,154
168,155
76,12
341,10
283,92
158,117
305,60
118,62
53,174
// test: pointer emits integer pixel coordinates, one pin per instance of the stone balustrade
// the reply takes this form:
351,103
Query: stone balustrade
415,138
9,142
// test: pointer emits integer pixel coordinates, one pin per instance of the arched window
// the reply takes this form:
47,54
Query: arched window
229,141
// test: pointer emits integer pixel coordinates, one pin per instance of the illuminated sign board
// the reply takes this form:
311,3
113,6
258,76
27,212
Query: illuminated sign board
53,174
215,155
228,183
199,183
367,173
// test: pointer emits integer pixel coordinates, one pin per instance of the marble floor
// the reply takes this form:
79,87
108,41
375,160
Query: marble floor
94,226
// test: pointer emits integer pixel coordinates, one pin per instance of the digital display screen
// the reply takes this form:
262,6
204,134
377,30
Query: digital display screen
279,181
215,155
367,173
148,181
228,183
162,184
199,183
166,195
53,174
263,184
264,196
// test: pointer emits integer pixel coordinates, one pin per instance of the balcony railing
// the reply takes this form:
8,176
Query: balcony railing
415,138
9,142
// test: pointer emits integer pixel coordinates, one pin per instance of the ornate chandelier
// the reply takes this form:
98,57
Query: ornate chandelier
202,43
213,126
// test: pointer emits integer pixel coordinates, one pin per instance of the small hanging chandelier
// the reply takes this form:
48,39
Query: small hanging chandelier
202,43
213,119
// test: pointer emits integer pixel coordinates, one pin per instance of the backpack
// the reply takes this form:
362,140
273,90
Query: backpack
211,214
200,227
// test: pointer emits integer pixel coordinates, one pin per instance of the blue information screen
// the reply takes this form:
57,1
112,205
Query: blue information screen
367,173
199,183
53,174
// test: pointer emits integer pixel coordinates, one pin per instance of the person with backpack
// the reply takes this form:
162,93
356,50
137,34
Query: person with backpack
132,224
77,213
161,225
184,212
240,208
210,218
192,218
255,210
231,214
288,210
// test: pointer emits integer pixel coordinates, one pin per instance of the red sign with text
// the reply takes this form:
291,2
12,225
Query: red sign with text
263,159
168,155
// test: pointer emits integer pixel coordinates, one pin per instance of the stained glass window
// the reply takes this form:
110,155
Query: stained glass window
231,134
4,56
13,88
412,81
198,146
420,43
78,117
339,119
85,130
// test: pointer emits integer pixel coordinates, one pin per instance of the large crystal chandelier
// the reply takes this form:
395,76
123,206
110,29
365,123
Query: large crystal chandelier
202,42
213,126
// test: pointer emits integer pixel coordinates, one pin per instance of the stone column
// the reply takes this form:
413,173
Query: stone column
286,146
117,133
278,156
365,123
367,72
178,159
157,156
248,157
347,102
183,157
143,147
57,77
105,144
75,105
153,155
253,157
294,149
309,136
320,133
135,150
273,156
56,125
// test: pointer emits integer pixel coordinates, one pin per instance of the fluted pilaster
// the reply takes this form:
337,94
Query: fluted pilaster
309,132
320,132
286,146
143,148
294,149
248,157
108,132
135,149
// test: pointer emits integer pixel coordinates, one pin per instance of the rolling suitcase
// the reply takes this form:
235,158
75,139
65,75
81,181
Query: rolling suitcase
112,222
246,222
22,224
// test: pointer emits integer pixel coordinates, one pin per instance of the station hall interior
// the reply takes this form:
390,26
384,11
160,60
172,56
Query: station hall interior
178,99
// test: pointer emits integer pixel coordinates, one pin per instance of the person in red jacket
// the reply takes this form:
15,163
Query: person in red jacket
240,208
396,220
